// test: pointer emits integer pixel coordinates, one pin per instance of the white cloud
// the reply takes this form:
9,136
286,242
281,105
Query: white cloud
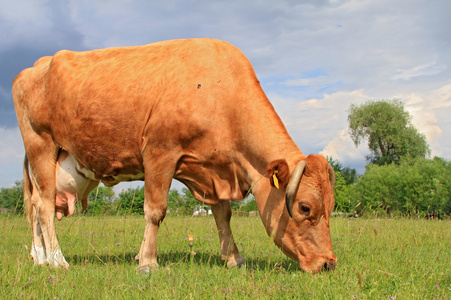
342,148
314,124
320,124
417,71
316,81
430,115
365,50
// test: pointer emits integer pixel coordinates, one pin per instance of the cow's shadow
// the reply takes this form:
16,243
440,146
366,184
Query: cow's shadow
168,259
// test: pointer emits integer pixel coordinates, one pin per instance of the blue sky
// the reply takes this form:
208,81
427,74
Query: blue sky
314,58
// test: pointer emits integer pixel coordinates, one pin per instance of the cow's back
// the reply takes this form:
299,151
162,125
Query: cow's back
105,106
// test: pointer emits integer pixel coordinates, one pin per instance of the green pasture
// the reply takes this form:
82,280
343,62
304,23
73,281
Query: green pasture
377,259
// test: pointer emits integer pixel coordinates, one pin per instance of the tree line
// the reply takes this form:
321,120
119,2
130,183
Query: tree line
104,201
399,179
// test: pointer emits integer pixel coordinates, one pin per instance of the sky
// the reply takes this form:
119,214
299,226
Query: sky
314,58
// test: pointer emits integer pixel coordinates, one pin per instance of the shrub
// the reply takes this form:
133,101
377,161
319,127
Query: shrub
416,187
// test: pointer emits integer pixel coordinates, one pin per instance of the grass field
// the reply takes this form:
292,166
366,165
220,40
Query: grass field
377,259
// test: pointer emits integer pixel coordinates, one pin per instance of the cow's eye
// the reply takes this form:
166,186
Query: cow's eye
304,208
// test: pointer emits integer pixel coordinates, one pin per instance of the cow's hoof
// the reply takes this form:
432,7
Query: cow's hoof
57,260
144,270
148,268
37,254
234,262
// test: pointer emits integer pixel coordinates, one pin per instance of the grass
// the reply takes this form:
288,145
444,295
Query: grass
378,259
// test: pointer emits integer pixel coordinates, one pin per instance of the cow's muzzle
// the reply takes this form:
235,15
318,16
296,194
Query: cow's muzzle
329,266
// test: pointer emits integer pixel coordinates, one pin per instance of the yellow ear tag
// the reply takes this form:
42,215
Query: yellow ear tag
275,179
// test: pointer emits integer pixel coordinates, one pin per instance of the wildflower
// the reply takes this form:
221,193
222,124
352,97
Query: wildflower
86,261
310,292
117,244
190,240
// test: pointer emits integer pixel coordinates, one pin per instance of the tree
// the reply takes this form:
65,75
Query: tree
247,204
132,200
344,177
100,200
388,129
189,203
348,174
181,204
12,198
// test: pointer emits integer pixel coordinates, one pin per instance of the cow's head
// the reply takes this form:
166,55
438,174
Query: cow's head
303,228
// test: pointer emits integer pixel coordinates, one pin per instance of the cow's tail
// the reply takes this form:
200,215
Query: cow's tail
27,189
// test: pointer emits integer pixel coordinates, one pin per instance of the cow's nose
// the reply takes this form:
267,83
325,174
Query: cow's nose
330,265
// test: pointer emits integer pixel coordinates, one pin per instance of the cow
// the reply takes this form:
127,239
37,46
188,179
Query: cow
192,110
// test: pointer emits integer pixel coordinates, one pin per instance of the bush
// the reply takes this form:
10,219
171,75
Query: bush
417,187
11,199
100,201
247,204
341,194
132,201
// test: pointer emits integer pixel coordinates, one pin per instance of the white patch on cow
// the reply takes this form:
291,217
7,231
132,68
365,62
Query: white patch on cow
82,170
68,179
38,255
56,259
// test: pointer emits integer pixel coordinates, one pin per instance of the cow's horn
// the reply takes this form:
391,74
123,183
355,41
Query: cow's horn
293,185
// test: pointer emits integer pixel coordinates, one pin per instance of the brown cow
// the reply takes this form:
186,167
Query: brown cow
192,110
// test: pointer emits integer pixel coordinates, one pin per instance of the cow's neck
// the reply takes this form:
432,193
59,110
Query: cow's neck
270,141
265,139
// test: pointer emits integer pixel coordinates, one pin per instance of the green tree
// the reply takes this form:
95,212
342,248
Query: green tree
347,173
181,204
100,200
132,200
341,194
387,128
189,204
12,198
335,164
249,204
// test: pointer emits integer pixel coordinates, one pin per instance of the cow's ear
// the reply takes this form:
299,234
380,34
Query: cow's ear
278,173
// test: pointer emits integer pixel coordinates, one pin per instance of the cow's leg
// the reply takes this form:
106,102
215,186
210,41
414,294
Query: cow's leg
37,252
155,202
37,246
42,158
222,213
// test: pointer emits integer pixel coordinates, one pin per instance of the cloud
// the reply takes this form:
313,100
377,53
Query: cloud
315,123
342,148
314,58
319,125
422,70
430,115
